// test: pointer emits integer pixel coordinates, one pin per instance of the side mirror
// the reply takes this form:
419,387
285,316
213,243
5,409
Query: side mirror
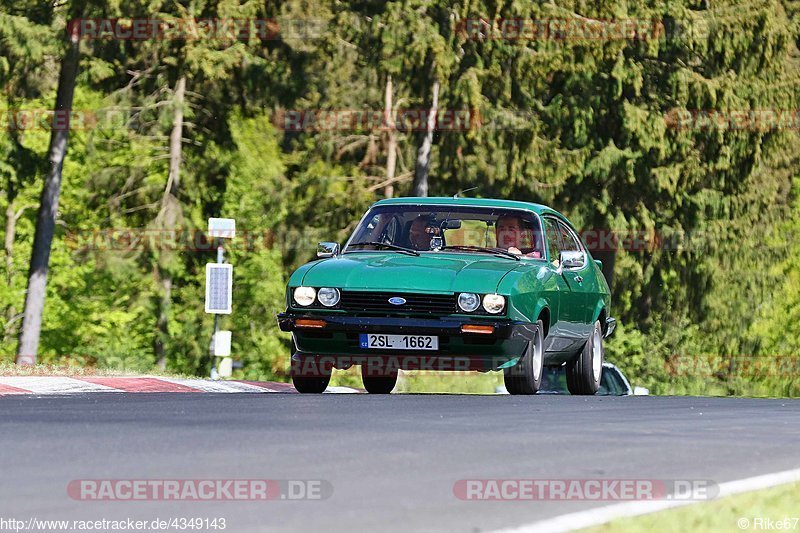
599,263
327,249
641,391
572,259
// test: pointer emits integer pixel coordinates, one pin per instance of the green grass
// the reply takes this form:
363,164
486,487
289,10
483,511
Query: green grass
449,382
429,382
721,515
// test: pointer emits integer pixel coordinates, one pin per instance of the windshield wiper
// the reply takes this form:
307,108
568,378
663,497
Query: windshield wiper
400,249
493,251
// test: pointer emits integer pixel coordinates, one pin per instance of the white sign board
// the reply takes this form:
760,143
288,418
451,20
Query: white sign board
219,288
225,367
222,343
223,228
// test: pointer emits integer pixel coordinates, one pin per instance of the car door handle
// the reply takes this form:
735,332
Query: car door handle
579,279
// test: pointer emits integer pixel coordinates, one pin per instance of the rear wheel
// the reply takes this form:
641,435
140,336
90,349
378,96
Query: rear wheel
310,376
378,380
526,376
583,374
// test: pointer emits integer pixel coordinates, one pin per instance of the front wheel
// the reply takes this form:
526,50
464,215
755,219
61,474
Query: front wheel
583,374
526,376
310,376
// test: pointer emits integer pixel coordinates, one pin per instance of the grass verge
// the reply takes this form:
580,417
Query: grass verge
770,509
417,381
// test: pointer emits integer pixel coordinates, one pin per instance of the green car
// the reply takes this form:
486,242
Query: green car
451,284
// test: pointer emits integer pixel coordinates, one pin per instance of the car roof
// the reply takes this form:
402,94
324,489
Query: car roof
471,202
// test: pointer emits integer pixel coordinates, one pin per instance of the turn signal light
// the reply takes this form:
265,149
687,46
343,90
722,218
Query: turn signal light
309,323
471,328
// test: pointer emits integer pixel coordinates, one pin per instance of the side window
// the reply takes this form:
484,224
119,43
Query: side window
569,242
553,244
568,239
370,229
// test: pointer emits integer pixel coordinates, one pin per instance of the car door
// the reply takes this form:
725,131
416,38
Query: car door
579,279
574,301
562,335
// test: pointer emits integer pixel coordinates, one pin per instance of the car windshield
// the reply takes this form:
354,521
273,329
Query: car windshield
509,233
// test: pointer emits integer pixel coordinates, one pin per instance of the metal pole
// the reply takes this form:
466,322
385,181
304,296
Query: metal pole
220,260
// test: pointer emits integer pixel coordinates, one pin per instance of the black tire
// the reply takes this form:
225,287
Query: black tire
376,382
526,376
311,378
584,372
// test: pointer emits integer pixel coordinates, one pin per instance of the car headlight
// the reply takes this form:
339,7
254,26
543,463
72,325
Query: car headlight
494,303
305,296
468,301
328,296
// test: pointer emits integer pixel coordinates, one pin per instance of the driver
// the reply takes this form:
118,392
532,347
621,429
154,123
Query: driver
510,233
418,235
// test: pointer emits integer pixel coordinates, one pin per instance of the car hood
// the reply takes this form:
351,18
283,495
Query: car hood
441,272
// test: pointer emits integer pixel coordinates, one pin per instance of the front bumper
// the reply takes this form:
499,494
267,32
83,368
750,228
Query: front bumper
338,341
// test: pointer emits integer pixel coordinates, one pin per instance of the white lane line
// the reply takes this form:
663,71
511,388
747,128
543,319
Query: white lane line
602,515
216,386
53,385
759,482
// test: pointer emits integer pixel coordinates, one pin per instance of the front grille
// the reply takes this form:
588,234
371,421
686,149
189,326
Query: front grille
378,302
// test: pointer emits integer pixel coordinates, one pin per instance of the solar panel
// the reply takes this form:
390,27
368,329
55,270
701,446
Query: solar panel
219,285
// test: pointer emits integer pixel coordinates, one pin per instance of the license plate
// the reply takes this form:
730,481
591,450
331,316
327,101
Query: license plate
398,342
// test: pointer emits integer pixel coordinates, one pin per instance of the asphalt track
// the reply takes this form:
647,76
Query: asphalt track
392,461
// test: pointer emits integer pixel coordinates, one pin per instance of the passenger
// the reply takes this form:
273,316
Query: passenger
510,233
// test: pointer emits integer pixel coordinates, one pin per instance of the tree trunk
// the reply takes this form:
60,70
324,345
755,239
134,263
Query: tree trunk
11,229
173,183
391,140
168,219
48,209
424,153
162,322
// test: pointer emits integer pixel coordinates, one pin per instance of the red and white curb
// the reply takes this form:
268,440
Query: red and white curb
12,385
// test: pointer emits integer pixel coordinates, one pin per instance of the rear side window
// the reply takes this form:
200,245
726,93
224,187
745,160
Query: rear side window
553,243
568,241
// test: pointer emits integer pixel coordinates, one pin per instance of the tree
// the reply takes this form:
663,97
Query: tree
423,165
169,217
391,138
26,41
48,208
